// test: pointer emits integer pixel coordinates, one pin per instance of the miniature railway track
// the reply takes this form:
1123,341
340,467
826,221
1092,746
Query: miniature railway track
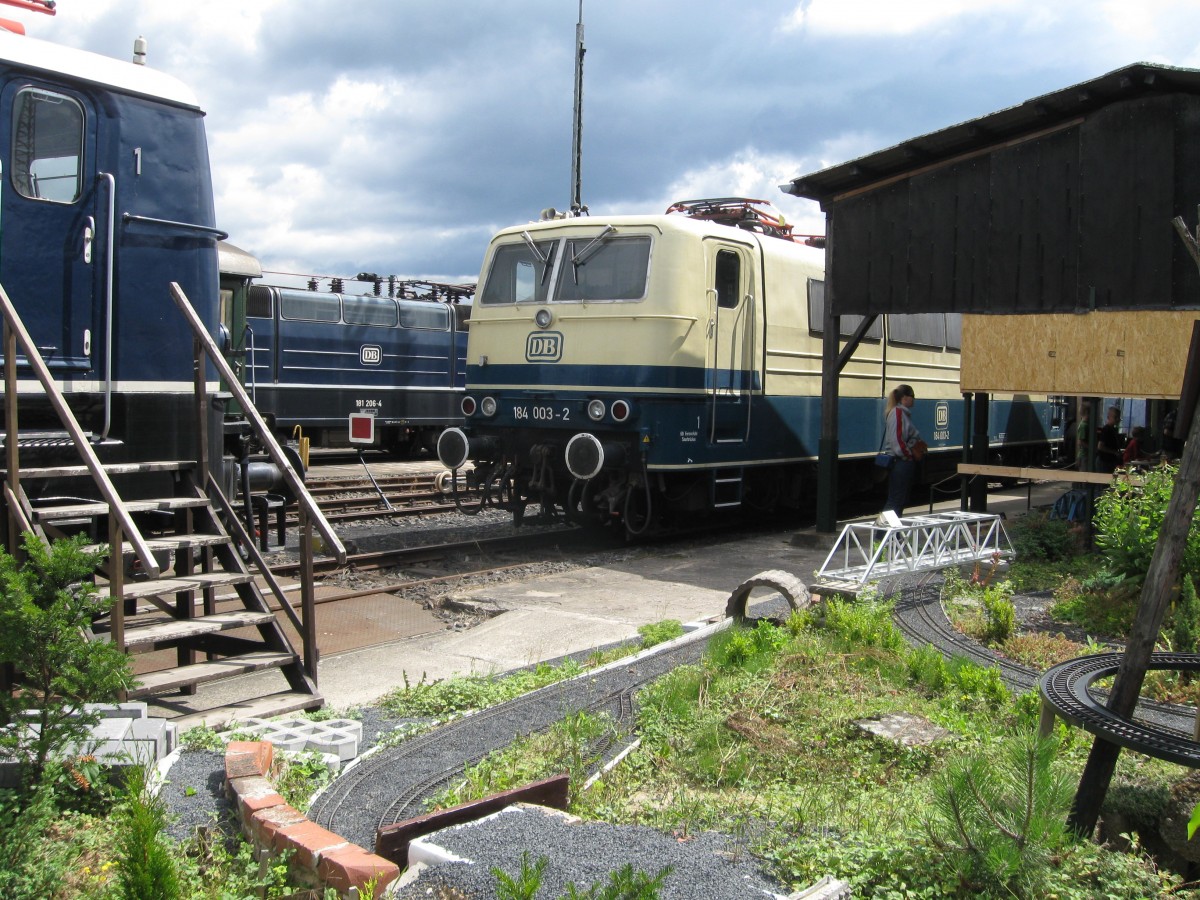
392,785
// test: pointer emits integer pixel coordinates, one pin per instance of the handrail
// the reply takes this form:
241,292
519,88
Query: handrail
16,328
206,230
303,498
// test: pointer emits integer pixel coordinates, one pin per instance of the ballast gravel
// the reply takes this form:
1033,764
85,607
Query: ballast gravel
704,866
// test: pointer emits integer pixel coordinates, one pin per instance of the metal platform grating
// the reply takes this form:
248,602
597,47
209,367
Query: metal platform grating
892,545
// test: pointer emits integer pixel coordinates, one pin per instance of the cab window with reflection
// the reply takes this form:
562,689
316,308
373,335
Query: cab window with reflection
518,274
728,279
47,146
604,269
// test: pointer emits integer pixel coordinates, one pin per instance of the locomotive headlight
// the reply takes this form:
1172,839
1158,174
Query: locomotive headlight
487,406
621,410
468,406
543,318
596,410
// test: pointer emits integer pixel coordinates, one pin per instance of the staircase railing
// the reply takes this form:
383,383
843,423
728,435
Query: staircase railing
310,514
16,334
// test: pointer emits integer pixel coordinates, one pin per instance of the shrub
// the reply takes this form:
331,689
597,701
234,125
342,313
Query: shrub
147,868
1038,537
867,622
47,605
660,632
1002,820
1186,626
1129,517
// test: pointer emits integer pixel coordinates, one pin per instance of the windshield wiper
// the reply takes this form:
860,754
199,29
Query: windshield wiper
580,257
543,258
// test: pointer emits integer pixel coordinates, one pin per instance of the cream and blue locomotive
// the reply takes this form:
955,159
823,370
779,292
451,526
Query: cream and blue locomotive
641,370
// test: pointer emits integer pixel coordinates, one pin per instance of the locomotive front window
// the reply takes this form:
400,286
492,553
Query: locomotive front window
430,316
47,146
309,306
615,269
370,311
518,274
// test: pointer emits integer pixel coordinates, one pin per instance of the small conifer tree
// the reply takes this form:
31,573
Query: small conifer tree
47,606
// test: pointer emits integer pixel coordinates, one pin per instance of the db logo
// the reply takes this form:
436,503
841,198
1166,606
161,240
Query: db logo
544,346
942,415
370,354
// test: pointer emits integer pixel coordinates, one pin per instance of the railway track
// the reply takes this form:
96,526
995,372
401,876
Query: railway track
392,785
353,499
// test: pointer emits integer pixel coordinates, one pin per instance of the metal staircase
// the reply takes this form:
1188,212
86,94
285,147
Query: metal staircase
183,575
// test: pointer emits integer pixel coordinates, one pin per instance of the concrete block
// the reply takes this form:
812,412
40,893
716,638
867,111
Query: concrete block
131,710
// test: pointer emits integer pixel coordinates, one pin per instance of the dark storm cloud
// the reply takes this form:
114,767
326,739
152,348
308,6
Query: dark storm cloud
396,136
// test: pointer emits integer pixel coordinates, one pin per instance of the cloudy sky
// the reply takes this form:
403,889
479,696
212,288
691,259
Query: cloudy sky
395,136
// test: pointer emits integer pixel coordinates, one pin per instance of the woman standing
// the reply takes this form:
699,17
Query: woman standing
902,440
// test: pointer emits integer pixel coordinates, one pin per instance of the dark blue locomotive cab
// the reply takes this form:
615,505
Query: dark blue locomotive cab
640,370
106,199
313,359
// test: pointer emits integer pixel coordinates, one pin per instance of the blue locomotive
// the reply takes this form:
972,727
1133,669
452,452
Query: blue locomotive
106,199
311,359
639,370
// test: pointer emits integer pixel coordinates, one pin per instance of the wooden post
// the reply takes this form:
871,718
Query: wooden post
1159,589
308,605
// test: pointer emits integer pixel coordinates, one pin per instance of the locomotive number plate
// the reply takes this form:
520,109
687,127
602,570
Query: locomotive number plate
541,413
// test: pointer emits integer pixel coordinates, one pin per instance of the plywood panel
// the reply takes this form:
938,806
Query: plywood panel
1114,354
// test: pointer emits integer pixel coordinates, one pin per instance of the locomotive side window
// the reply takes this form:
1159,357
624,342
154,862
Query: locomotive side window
47,147
518,275
953,331
613,269
310,306
258,302
433,317
370,311
849,324
919,329
728,279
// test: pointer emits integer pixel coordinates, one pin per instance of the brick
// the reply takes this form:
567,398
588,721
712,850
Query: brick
309,840
263,826
246,758
253,793
351,866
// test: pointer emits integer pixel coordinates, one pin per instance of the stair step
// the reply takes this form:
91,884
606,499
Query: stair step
170,465
257,708
213,670
195,582
178,629
171,542
92,509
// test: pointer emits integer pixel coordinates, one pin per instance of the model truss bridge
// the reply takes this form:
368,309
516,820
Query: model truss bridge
902,545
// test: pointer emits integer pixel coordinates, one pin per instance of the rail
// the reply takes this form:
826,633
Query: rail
15,333
310,513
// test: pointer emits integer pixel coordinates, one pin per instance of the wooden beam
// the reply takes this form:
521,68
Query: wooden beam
1105,478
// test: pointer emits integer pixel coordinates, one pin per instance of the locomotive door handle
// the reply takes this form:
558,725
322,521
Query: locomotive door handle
89,236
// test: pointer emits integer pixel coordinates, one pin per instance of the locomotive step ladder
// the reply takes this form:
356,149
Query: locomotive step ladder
171,553
205,604
726,488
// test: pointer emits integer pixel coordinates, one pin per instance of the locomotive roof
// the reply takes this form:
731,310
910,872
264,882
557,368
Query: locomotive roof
82,65
659,221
